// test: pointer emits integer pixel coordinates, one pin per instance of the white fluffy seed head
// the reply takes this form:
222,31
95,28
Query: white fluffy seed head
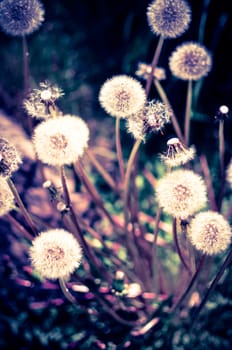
210,233
6,197
10,159
181,193
122,96
190,61
169,18
61,141
55,254
177,153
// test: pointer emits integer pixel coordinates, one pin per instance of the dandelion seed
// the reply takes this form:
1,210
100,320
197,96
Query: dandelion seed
181,193
21,17
157,115
6,197
210,233
10,159
39,100
222,113
190,61
169,18
55,254
122,96
177,153
61,140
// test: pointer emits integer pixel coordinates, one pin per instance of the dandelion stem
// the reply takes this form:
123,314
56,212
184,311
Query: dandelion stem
188,113
184,295
154,64
108,179
208,181
66,292
221,146
179,252
212,286
119,149
21,206
154,249
165,100
19,227
127,178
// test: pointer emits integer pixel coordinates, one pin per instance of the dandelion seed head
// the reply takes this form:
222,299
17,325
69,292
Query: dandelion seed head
190,61
6,197
122,96
210,233
55,254
39,100
135,126
157,115
169,18
181,193
61,140
10,159
177,153
21,17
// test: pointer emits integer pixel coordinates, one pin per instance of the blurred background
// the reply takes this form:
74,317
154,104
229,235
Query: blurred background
80,45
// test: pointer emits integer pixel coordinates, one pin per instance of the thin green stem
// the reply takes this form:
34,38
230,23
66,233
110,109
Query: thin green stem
165,100
188,113
126,186
119,149
154,64
212,286
21,206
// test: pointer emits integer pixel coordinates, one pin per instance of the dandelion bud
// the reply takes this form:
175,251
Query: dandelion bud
55,254
6,197
21,17
190,61
39,100
122,96
169,18
177,153
144,71
222,113
157,114
61,140
181,193
9,158
210,233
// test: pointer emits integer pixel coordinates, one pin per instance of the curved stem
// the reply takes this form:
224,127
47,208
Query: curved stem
119,148
212,286
66,292
178,247
184,295
188,113
21,206
165,100
154,64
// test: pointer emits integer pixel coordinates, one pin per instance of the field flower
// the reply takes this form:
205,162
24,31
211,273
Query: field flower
39,100
122,96
177,153
169,18
6,197
61,140
55,254
190,61
21,17
210,233
10,159
181,193
135,126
